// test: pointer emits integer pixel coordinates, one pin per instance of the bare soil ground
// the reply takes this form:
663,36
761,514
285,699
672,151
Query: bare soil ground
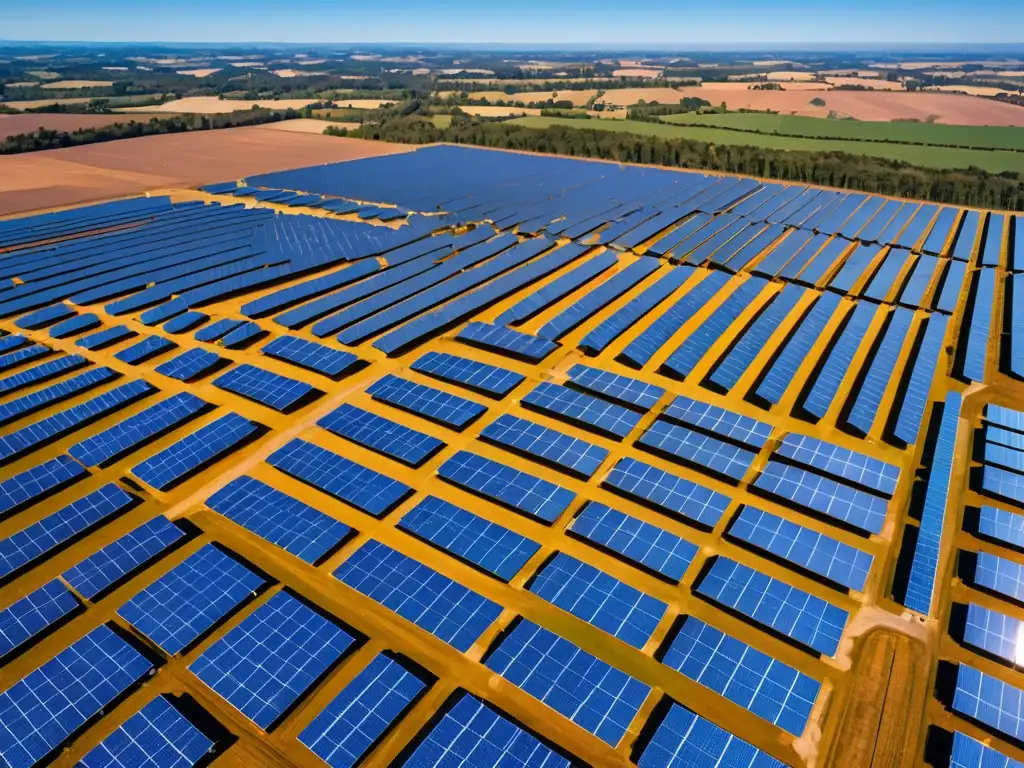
625,97
211,105
306,126
499,111
198,72
59,177
11,125
70,84
636,72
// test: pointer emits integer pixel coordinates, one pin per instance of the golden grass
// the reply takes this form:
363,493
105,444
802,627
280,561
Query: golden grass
211,105
72,84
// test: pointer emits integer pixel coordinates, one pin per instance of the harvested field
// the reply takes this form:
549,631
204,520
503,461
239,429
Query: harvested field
637,73
68,85
306,126
43,74
972,90
131,166
296,73
790,75
211,105
36,103
199,72
11,125
499,111
868,82
625,97
578,98
952,108
361,103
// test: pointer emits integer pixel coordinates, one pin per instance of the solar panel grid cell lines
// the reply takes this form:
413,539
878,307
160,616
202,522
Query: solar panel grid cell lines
969,753
770,689
911,412
494,381
151,346
837,363
270,659
181,606
841,462
505,340
434,404
666,491
382,435
34,614
686,740
270,389
711,418
989,700
29,485
310,354
189,364
594,695
538,442
157,736
883,365
432,601
621,389
999,524
586,410
349,726
999,574
993,632
700,450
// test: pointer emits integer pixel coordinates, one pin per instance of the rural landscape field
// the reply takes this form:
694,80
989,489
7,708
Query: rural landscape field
501,405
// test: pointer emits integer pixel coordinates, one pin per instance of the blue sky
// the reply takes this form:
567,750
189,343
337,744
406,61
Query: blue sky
618,22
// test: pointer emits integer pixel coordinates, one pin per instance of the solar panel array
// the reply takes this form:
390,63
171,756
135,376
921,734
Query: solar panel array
446,492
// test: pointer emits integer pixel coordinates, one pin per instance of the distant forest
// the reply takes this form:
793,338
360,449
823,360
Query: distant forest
969,186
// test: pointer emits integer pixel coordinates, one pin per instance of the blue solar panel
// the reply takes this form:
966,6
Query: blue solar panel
431,601
472,733
46,478
75,325
1003,483
585,410
382,435
599,599
158,736
364,710
189,364
434,404
241,336
883,365
908,424
138,429
505,485
193,452
770,689
968,753
711,418
686,740
1006,417
643,543
668,492
999,575
854,467
185,321
837,362
594,695
270,389
989,700
487,545
217,329
310,354
276,517
42,711
184,604
697,449
535,441
105,337
556,290
993,632
41,372
363,488
122,557
149,347
1002,525
19,356
267,662
816,492
33,614
621,389
488,379
497,338
976,339
807,549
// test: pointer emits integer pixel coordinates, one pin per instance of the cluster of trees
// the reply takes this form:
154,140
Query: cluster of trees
970,186
45,138
653,112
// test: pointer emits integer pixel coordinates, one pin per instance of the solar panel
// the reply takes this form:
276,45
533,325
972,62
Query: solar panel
968,753
744,675
311,355
434,404
270,389
537,442
622,389
359,486
711,418
837,362
556,290
820,494
297,528
185,321
908,424
1007,417
807,619
1002,525
123,556
43,710
989,700
44,317
1002,483
28,486
686,740
242,336
431,601
157,736
696,449
382,435
992,251
665,491
581,687
474,733
189,365
185,603
141,428
487,379
147,348
857,468
23,355
807,549
193,452
599,599
883,365
975,345
105,338
520,491
506,341
33,615
41,372
993,632
646,545
999,575
364,710
270,659
217,329
582,409
75,325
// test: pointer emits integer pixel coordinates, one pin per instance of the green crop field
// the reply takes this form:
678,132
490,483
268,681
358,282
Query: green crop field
994,161
981,136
